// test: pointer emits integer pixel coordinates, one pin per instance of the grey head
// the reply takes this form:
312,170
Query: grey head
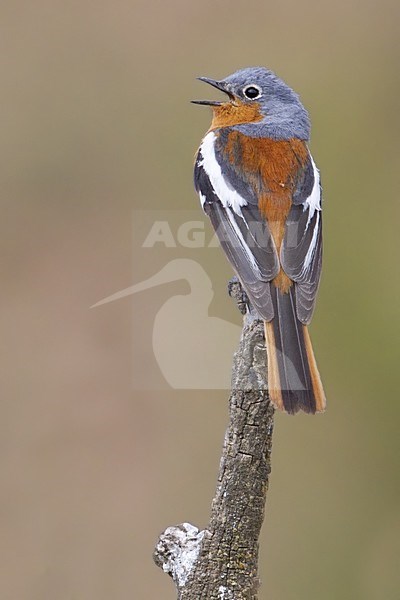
281,113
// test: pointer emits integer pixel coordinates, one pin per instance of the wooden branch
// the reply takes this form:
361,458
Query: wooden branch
221,562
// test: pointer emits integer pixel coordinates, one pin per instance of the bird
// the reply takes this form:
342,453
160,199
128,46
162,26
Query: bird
261,189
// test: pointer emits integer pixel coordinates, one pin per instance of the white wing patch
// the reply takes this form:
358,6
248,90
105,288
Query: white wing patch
228,196
313,202
225,192
202,199
243,242
311,250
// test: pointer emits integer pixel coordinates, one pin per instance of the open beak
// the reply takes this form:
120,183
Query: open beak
220,85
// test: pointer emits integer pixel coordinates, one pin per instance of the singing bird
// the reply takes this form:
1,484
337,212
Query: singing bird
260,187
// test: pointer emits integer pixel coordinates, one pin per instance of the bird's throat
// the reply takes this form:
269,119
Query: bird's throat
238,113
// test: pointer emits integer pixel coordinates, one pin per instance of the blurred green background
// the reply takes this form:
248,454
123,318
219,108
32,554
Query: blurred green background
96,123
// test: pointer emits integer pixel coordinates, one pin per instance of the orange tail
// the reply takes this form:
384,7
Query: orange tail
293,378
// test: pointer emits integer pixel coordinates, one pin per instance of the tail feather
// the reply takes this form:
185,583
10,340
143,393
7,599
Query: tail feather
293,377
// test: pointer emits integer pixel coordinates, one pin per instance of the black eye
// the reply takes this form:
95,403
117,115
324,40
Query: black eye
252,92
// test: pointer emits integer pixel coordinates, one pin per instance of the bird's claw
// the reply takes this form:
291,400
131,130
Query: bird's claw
236,291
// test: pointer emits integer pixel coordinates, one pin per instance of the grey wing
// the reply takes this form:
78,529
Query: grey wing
246,240
301,250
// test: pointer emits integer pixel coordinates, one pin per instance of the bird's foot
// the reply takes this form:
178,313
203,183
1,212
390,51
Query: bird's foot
236,291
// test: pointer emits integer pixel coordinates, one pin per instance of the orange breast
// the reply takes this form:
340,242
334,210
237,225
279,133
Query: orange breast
271,168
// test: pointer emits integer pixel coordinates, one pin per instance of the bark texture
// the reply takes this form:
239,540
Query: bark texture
221,562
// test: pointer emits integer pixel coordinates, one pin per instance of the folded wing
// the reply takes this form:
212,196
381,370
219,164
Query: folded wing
243,233
301,251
